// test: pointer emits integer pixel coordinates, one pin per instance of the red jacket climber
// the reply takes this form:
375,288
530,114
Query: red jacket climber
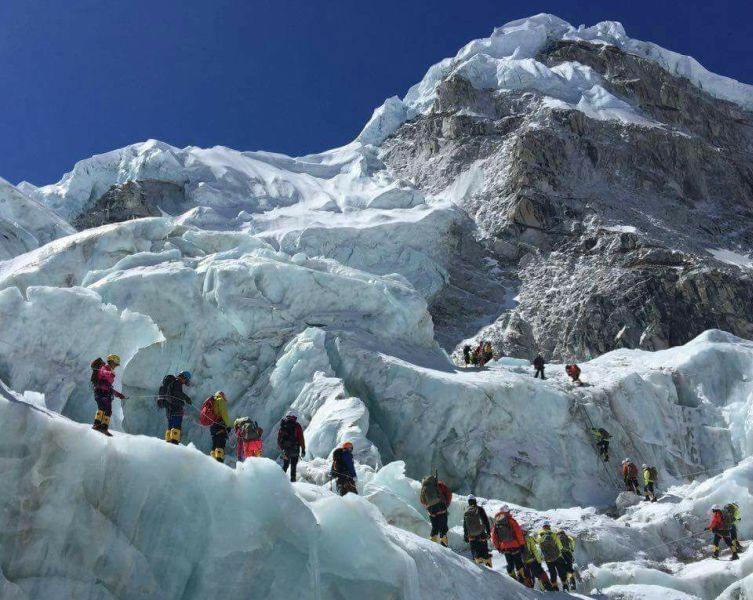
506,532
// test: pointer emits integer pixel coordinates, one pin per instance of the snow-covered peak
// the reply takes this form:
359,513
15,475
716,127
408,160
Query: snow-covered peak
506,61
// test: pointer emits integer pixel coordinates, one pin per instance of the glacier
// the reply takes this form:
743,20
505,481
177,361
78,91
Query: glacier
316,284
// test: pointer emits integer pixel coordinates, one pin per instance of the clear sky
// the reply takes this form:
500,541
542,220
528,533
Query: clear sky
78,77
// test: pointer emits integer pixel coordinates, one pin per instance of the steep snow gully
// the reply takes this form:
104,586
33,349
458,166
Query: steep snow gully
316,284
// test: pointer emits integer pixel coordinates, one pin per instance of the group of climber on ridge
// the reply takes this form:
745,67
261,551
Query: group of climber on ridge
214,414
524,551
723,525
478,356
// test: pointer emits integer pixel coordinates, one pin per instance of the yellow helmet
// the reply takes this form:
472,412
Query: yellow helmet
219,395
114,359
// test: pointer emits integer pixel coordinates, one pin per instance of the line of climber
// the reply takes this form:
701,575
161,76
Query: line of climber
172,398
524,551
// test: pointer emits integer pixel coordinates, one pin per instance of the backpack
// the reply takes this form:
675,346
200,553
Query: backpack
731,513
653,473
337,462
167,381
207,416
605,435
96,365
474,526
249,430
549,549
288,440
567,543
504,530
430,494
632,470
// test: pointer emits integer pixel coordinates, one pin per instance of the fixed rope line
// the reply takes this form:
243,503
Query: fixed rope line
590,425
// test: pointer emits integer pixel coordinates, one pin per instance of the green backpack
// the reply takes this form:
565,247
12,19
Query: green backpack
549,549
731,514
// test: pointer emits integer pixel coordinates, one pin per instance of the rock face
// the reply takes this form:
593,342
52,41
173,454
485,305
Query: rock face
611,229
132,200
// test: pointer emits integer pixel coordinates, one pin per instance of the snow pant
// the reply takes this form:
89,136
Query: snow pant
174,427
439,526
290,461
539,371
631,485
346,485
723,535
603,447
533,571
480,552
557,568
219,439
104,410
648,491
515,566
569,561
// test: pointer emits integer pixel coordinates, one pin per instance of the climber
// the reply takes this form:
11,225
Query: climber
488,352
573,372
731,513
630,476
532,563
172,398
538,364
467,354
721,530
474,358
602,437
568,555
476,532
435,496
551,551
650,475
214,415
248,433
507,538
343,469
103,376
291,442
479,351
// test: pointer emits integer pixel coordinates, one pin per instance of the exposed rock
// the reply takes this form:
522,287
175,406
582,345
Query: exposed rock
133,200
606,226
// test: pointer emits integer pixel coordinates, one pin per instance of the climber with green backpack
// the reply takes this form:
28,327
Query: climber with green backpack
551,551
476,532
650,475
532,564
568,555
436,497
731,514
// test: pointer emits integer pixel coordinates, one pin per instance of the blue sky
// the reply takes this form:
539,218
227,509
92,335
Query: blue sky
79,77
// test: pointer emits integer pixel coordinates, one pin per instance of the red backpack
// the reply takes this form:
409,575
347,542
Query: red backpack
207,416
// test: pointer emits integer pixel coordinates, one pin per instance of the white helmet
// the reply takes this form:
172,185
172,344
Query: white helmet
644,466
504,508
715,507
292,413
627,460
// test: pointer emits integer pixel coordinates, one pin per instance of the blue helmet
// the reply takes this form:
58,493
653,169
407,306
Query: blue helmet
185,375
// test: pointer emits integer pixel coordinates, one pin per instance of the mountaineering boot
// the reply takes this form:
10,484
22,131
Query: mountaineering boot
219,455
478,561
167,435
212,453
488,562
443,541
175,436
716,552
646,498
104,425
434,538
735,556
98,419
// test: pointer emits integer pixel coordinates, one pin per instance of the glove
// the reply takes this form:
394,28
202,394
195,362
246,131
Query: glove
303,452
119,395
